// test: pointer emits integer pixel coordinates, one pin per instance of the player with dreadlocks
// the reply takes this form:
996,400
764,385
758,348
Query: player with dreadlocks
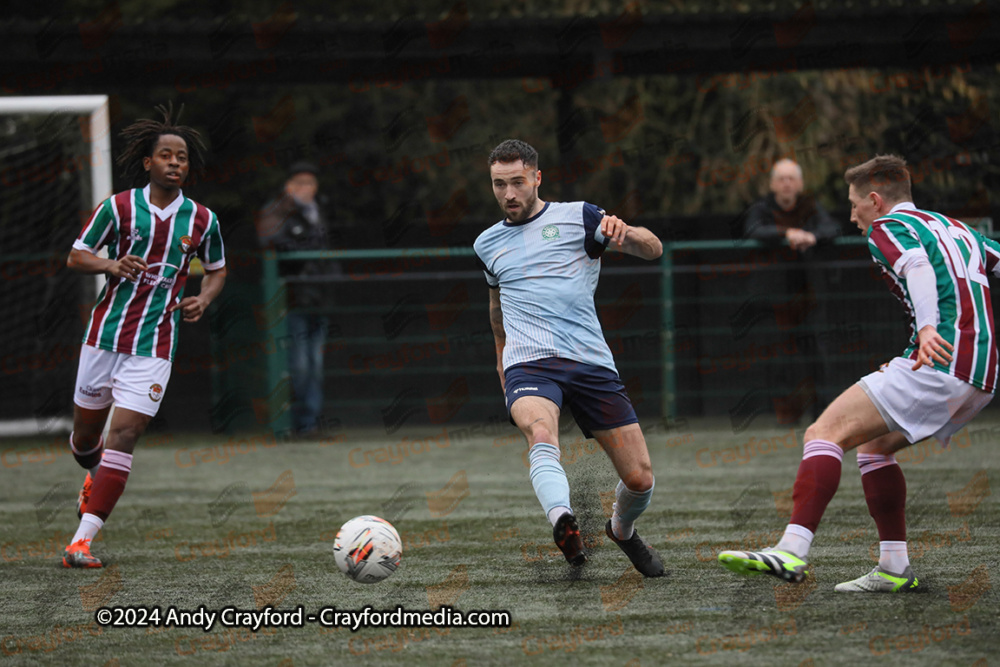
152,232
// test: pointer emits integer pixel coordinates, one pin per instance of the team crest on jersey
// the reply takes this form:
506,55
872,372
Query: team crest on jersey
155,393
186,244
550,233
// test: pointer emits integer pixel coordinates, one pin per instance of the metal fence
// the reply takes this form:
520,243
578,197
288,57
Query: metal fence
725,329
729,329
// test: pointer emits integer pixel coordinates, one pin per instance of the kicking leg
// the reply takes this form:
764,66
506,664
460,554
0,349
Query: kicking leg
849,421
538,419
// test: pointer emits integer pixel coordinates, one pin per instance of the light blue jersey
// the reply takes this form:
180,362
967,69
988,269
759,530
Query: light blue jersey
547,269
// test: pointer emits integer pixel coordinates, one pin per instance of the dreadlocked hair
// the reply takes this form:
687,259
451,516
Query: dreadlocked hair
141,137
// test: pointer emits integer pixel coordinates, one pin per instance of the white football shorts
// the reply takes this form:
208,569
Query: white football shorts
922,403
131,382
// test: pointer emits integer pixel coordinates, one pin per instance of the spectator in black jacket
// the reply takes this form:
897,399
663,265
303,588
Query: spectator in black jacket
788,213
297,221
797,295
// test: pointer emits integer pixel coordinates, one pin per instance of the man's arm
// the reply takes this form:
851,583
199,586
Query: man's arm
193,307
759,224
820,227
921,283
897,249
499,335
636,241
824,227
128,267
272,231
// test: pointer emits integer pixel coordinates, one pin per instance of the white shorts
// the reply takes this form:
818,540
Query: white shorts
922,403
131,382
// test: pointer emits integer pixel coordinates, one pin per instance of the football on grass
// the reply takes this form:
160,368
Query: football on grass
367,549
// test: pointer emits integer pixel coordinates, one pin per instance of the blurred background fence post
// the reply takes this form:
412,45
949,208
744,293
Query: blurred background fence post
667,337
277,411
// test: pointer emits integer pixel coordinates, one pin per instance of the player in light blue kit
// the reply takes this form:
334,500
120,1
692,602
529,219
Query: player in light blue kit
542,263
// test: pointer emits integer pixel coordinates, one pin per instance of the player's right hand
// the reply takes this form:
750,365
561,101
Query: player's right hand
932,348
128,267
614,229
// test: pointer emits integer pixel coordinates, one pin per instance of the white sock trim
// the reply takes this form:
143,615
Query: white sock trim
557,512
871,462
893,556
90,525
822,448
801,531
796,540
117,460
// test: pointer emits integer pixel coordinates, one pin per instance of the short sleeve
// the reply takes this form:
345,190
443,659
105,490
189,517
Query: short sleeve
991,253
212,251
594,241
894,244
100,230
491,280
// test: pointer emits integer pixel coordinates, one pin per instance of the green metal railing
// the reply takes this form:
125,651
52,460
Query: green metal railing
277,373
668,302
668,397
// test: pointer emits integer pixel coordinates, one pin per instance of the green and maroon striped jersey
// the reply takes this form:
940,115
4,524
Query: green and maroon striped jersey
961,258
130,316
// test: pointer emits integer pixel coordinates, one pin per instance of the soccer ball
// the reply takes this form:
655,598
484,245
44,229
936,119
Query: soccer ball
367,549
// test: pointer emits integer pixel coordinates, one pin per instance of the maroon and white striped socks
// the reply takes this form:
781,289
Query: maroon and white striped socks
815,485
107,488
885,493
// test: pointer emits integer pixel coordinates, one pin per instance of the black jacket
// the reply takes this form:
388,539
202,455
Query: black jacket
766,221
285,225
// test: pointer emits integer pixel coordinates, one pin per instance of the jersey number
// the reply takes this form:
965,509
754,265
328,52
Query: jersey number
977,273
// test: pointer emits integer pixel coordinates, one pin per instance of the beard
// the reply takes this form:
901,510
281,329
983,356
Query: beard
524,209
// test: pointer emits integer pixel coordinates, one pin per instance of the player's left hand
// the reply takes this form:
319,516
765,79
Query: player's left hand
932,348
614,229
191,307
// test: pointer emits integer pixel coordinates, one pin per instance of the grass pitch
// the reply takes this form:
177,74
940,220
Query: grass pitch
237,522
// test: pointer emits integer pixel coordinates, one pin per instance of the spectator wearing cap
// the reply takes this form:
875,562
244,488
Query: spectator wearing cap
296,221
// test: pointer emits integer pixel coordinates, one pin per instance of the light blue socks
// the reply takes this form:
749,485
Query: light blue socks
629,505
549,480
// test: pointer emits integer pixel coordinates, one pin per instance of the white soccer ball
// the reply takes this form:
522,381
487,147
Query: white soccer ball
367,549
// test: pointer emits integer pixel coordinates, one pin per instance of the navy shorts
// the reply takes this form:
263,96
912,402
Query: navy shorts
596,395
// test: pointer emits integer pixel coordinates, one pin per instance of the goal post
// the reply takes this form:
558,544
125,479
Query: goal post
53,171
99,129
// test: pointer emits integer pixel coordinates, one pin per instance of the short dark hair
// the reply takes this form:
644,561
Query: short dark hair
885,174
513,150
302,167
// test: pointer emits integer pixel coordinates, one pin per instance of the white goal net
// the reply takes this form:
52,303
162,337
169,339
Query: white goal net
55,168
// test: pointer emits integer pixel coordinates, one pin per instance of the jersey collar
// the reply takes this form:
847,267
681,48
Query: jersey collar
163,213
507,223
901,206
